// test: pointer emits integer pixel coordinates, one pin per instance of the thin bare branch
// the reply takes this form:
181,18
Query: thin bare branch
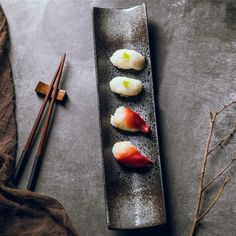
225,107
219,174
197,217
222,141
215,200
203,169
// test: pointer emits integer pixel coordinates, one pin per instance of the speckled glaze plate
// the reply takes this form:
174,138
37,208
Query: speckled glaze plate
134,198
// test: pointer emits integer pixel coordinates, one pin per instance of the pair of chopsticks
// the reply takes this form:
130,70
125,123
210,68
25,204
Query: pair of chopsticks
52,93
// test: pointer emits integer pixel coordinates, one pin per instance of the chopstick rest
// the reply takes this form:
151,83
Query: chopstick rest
42,89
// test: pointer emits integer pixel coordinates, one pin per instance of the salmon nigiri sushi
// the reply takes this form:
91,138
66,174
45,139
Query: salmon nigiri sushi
128,120
128,154
128,59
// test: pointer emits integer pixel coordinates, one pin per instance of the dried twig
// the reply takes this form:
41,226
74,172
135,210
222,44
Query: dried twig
215,200
225,107
224,140
198,216
219,174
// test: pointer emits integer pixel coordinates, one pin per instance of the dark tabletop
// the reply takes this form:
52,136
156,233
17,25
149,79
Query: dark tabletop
193,47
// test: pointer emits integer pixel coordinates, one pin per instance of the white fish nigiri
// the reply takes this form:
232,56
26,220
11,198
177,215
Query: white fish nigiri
128,59
126,119
125,86
128,154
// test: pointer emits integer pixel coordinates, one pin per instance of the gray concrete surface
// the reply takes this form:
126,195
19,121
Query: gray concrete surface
193,47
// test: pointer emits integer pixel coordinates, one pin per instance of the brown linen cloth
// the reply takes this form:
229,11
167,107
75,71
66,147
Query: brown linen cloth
22,212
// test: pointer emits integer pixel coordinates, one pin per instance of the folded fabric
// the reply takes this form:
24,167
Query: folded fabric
22,212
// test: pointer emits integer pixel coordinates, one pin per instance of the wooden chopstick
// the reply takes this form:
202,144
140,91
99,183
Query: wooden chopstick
26,151
38,157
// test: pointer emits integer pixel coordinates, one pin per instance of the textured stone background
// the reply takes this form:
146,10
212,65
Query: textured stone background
193,47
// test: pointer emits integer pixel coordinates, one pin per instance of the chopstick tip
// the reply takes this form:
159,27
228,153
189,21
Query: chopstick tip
63,59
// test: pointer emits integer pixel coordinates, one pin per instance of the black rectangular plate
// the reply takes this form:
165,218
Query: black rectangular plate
134,199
